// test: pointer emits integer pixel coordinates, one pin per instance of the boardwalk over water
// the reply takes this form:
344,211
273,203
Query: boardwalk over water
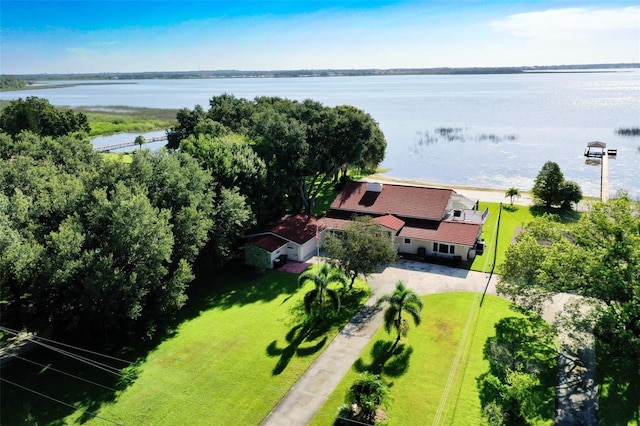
107,148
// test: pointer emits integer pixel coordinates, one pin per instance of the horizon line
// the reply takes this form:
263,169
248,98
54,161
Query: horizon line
396,69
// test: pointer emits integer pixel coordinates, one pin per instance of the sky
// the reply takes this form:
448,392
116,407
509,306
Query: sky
132,36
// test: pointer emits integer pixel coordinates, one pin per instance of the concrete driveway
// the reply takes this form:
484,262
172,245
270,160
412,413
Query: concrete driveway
306,397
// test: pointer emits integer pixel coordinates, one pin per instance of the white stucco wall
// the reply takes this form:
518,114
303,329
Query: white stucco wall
414,244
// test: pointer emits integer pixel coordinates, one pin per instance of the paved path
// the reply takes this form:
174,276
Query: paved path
306,397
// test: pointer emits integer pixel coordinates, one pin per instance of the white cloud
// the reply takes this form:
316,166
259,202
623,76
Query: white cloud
573,23
571,36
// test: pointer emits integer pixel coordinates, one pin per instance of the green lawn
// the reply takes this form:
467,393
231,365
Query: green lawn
510,221
229,365
418,376
235,354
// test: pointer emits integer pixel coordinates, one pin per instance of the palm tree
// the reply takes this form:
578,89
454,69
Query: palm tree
512,192
401,300
321,278
140,140
368,393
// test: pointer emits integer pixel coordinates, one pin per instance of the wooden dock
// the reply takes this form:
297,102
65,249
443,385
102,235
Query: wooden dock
107,148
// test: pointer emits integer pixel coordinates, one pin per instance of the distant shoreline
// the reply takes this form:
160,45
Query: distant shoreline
207,74
62,86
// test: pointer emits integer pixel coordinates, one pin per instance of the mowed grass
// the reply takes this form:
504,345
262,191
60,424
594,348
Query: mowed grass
511,220
229,364
417,383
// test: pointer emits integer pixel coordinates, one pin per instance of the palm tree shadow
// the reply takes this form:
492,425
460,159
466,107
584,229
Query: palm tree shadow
386,359
295,337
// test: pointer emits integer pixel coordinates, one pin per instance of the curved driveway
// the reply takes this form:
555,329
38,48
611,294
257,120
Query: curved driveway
306,397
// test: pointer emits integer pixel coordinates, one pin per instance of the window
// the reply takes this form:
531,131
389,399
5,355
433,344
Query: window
444,248
407,240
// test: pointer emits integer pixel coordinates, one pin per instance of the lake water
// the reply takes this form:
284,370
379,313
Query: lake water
493,131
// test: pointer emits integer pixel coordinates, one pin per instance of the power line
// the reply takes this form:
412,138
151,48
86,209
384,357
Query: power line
15,332
107,368
65,373
60,402
464,346
102,366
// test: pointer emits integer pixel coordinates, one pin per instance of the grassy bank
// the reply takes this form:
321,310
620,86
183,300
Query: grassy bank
121,119
109,120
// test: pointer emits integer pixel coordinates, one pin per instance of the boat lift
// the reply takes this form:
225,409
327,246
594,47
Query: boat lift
597,154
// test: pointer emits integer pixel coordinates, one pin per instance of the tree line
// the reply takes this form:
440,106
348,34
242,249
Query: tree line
11,82
281,152
99,249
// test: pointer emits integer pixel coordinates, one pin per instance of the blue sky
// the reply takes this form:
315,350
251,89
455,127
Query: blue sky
121,36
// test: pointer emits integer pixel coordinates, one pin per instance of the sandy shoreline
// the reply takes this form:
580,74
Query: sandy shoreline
474,193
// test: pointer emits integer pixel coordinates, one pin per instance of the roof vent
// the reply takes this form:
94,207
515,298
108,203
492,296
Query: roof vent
374,187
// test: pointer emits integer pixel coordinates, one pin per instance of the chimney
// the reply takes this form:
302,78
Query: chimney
374,187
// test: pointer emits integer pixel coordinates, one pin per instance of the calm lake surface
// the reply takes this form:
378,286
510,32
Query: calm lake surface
493,131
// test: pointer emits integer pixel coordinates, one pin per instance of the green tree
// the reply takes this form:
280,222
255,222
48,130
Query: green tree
368,393
231,161
176,182
231,217
37,115
302,143
188,120
402,300
281,143
361,249
512,193
234,113
551,190
316,299
598,258
547,185
97,248
571,194
140,140
11,82
520,384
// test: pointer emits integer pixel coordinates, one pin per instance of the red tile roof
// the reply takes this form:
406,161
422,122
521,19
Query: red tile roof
398,200
298,228
269,242
389,221
447,232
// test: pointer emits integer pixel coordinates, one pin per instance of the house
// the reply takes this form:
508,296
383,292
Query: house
294,237
421,221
